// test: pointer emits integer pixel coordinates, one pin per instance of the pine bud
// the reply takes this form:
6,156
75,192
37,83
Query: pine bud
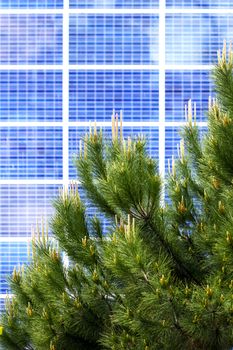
29,310
95,276
44,314
77,303
181,207
201,226
209,291
16,275
84,242
222,298
221,207
163,281
216,183
228,237
54,255
196,319
52,346
106,285
92,250
226,120
231,284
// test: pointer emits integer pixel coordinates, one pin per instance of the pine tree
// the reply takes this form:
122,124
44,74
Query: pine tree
162,276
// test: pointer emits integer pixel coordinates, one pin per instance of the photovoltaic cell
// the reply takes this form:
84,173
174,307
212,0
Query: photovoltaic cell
12,254
195,39
30,153
30,39
11,4
31,95
114,3
181,86
22,205
94,94
199,4
76,134
113,39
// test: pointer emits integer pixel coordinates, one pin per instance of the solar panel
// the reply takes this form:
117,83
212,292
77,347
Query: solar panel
64,63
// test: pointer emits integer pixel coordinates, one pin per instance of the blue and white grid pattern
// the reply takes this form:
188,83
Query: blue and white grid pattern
32,95
66,62
93,93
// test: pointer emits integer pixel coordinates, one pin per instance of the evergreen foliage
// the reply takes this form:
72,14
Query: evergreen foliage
162,278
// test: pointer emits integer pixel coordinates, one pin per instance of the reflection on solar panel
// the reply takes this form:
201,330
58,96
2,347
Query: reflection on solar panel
114,3
66,62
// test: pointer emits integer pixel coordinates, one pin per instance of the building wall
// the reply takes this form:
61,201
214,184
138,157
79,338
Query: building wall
64,64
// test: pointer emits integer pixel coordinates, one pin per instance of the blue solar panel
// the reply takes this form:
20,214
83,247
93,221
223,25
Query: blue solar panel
76,134
30,95
22,205
114,3
101,37
30,153
113,39
94,94
195,39
199,4
30,39
182,86
31,4
12,254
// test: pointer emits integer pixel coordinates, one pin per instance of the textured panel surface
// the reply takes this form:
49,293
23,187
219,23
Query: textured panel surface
113,39
30,39
94,94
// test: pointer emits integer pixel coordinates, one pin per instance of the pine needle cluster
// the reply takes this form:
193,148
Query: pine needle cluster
162,276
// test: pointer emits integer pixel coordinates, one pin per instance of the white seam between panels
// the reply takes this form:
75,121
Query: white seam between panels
162,49
15,239
3,296
65,92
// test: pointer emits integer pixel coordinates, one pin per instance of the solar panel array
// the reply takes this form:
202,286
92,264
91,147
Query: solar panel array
64,63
